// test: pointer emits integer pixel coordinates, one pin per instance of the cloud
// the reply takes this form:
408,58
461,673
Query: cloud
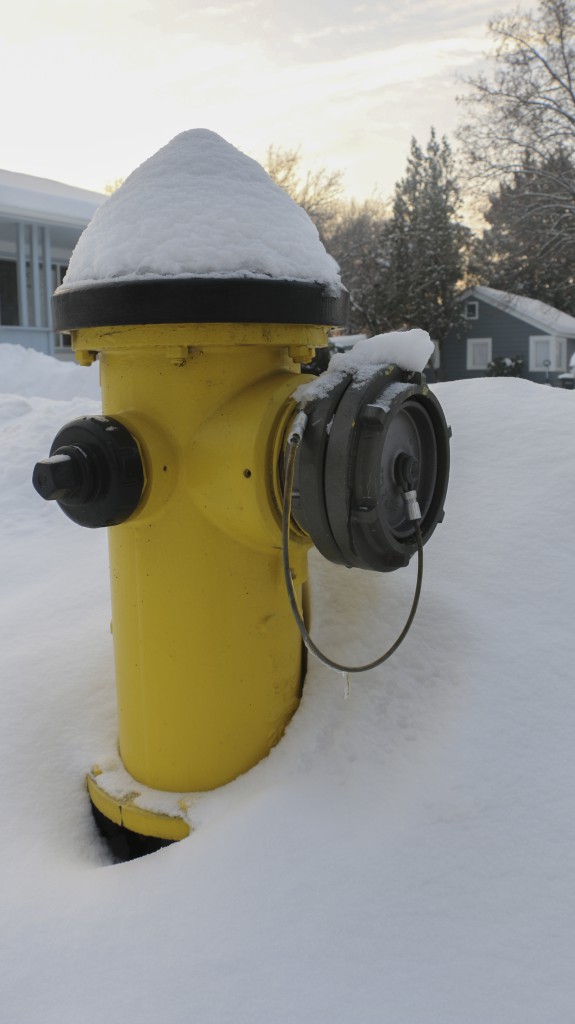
226,10
350,84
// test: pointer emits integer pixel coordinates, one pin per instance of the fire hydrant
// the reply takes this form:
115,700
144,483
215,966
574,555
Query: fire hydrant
186,468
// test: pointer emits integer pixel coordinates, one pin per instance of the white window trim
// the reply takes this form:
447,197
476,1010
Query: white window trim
470,344
470,316
557,354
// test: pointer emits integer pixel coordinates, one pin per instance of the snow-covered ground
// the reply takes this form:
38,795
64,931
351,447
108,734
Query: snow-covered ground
406,856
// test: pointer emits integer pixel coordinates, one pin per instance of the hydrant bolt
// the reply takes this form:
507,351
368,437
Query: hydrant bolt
58,477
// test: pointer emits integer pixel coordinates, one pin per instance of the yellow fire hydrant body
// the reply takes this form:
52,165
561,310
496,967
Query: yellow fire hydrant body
200,287
208,657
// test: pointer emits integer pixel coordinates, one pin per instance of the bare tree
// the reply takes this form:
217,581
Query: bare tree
318,191
529,246
113,186
523,116
518,141
352,232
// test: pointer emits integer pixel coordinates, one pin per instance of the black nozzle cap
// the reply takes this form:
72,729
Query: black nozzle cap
94,472
57,477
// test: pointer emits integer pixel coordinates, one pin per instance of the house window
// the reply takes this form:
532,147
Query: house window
8,293
63,342
58,274
478,353
471,311
547,353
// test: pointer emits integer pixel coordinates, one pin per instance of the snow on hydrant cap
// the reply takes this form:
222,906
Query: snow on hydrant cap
200,208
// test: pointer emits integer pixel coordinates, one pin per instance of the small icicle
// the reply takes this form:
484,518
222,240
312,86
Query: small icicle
345,685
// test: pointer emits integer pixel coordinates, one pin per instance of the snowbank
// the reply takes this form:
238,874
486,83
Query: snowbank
410,350
402,857
26,372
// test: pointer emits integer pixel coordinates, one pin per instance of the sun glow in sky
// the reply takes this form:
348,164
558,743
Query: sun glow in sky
90,90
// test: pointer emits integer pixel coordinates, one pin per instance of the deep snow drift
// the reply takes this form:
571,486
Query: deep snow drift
402,857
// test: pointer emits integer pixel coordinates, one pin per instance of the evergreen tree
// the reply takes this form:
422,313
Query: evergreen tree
529,247
357,241
401,270
427,244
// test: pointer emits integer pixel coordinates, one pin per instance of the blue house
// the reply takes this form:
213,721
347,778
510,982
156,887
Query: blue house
40,223
501,325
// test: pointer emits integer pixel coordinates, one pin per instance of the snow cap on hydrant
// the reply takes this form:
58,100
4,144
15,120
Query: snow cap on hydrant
192,222
201,286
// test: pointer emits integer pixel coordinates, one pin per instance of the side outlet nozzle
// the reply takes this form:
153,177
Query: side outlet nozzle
94,472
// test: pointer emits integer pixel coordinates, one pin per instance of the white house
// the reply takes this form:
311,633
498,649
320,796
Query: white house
40,223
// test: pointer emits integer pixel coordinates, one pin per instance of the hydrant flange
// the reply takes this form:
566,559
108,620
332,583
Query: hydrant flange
197,300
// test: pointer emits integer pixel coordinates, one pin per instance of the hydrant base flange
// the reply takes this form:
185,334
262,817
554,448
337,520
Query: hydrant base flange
123,844
146,812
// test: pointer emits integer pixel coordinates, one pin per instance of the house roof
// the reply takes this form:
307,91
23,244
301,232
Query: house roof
546,318
23,196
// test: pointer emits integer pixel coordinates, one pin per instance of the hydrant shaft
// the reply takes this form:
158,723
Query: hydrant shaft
208,658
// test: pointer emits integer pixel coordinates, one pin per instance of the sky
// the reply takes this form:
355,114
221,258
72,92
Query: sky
95,89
